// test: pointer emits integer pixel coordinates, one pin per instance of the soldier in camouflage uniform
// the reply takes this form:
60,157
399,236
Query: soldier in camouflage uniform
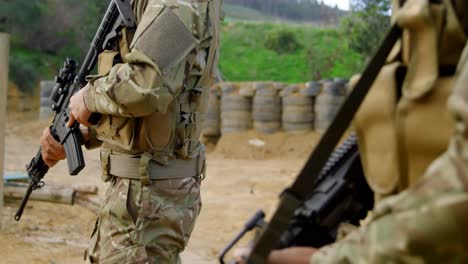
152,105
426,221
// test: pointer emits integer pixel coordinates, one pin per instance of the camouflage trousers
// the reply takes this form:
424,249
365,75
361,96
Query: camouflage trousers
145,224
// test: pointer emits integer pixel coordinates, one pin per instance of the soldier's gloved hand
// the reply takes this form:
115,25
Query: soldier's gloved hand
53,151
78,110
296,255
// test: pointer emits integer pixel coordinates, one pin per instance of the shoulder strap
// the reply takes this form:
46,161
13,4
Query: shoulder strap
126,11
214,14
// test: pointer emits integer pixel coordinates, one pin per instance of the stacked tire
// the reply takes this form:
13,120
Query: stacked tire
46,104
236,110
298,110
212,124
329,102
267,108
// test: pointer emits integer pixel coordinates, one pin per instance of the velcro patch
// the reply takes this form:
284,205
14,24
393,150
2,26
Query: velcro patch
167,40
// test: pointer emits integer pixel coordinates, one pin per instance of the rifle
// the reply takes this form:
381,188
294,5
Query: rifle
70,80
340,195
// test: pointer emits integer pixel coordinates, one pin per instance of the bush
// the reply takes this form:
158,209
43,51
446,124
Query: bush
282,41
366,25
24,73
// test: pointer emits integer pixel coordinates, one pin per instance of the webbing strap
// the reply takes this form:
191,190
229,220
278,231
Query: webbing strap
131,168
105,164
143,165
295,195
214,10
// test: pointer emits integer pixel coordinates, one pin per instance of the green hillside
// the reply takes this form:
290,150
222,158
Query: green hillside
245,58
38,50
240,13
293,10
243,54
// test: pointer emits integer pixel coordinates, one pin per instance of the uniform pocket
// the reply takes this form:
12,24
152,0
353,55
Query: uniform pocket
116,222
134,254
92,253
117,131
167,216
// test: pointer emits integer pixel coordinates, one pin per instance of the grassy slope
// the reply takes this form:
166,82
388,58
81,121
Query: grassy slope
244,58
240,13
243,55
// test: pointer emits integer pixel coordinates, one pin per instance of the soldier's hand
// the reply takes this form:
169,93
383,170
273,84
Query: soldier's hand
296,255
78,110
52,151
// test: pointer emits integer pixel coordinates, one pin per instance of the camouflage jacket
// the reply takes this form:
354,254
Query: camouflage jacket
168,56
427,222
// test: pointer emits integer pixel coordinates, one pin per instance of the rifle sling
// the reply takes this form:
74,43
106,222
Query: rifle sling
294,196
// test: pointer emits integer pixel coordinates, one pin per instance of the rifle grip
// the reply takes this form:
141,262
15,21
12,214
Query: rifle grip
74,153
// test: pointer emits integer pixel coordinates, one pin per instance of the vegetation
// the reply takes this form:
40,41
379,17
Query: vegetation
367,24
282,41
304,10
323,54
242,13
45,32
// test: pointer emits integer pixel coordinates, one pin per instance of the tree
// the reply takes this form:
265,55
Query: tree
46,29
297,10
366,25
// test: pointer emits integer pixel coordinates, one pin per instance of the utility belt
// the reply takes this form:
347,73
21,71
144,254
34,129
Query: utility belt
145,169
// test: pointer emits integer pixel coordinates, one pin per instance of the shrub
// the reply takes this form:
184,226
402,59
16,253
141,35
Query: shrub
24,73
282,41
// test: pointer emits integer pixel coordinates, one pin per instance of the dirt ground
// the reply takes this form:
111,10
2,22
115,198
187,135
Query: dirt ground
245,173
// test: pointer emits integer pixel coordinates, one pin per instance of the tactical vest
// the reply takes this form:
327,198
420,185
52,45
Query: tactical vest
182,43
403,124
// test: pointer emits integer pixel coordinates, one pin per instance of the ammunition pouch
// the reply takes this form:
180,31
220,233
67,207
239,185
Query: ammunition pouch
107,59
376,129
120,131
403,124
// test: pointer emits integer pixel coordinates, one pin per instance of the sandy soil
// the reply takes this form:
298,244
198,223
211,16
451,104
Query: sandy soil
245,173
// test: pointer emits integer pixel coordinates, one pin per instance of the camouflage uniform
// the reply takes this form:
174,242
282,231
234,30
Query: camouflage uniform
152,105
427,222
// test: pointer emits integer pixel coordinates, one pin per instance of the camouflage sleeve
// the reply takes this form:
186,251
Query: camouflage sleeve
410,227
132,89
426,223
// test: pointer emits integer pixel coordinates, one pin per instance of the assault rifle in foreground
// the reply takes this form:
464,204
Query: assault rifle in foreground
70,80
341,195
